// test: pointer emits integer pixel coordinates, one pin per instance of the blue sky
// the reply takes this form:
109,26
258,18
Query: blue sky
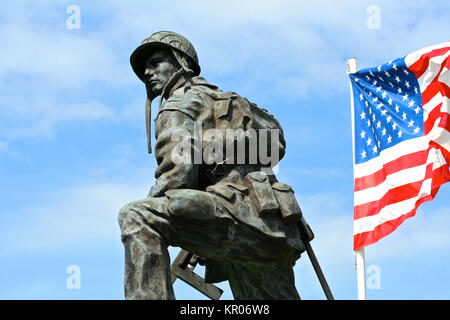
73,143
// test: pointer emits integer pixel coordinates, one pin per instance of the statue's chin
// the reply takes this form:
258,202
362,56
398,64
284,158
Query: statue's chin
154,94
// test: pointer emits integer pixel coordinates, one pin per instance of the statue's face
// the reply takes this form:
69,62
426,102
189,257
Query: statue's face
159,68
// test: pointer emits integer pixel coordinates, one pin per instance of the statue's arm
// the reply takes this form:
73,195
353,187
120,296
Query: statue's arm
172,174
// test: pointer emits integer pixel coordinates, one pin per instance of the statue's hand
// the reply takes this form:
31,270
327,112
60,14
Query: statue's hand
156,191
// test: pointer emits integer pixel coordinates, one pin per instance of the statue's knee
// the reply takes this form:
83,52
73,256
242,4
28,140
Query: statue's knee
190,204
126,214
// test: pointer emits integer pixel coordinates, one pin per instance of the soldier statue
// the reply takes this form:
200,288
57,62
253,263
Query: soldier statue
227,208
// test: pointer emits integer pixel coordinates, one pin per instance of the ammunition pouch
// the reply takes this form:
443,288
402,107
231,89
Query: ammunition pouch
290,210
261,193
270,199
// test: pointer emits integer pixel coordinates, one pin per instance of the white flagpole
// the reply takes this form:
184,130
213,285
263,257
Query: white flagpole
359,254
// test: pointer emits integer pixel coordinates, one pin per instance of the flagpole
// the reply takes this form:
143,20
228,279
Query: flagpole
359,254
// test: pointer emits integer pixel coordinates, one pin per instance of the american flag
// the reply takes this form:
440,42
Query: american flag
401,139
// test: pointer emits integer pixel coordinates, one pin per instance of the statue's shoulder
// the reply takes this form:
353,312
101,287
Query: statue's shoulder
192,98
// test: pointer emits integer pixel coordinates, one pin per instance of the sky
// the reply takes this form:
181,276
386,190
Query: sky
73,142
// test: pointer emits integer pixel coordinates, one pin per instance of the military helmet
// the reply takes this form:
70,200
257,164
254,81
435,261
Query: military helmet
160,39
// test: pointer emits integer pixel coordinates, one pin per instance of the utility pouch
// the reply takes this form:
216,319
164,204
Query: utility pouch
261,193
221,190
290,210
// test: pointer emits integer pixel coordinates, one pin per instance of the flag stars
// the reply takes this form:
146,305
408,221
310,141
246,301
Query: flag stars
394,126
389,139
394,92
363,115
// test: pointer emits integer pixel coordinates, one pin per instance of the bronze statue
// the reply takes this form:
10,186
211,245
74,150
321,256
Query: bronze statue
225,207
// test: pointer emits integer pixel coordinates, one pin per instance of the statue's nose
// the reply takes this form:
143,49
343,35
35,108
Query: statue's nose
148,72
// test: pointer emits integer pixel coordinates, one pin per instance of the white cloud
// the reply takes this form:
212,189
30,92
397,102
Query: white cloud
3,146
59,57
80,214
40,115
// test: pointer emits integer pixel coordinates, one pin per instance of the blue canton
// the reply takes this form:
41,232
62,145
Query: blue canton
388,108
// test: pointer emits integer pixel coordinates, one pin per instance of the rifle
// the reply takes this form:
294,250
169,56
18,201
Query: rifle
183,268
307,235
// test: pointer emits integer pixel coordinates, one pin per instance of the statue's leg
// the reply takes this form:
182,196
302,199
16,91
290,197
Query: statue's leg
145,234
256,265
262,281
